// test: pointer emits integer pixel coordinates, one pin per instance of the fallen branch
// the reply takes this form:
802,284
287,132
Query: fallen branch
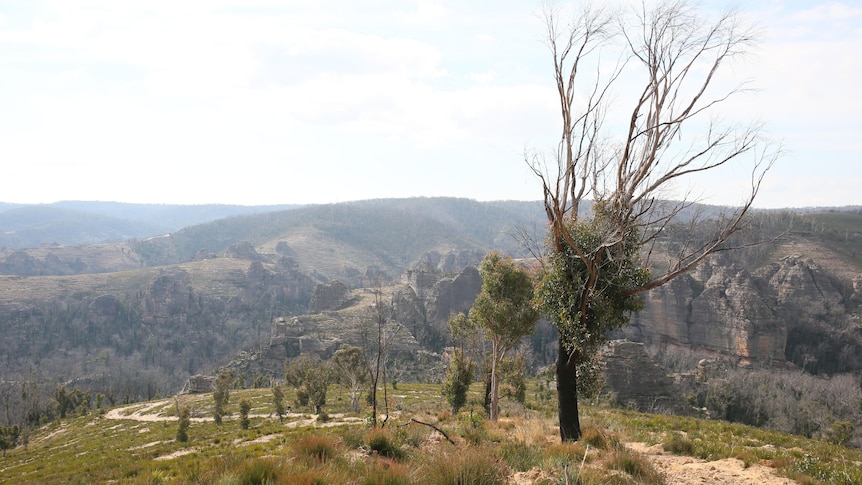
435,428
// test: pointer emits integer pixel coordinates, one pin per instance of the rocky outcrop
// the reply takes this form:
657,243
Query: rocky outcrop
198,384
243,250
203,254
452,261
449,296
634,380
788,311
328,296
170,294
429,297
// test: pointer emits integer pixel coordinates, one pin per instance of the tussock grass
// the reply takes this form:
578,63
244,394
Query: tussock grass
96,449
470,465
382,442
317,448
635,466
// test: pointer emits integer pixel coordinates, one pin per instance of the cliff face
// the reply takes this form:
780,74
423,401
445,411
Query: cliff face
415,314
721,309
134,333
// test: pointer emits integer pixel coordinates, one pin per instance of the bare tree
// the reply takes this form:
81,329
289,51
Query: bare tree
628,173
378,334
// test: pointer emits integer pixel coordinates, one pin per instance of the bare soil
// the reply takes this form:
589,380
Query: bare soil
685,470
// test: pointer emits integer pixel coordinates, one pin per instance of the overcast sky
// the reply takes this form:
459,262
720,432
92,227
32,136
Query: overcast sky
311,101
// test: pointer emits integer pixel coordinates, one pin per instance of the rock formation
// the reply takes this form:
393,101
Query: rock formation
198,384
328,296
634,380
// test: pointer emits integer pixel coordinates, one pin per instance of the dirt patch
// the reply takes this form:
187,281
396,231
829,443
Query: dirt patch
684,470
175,454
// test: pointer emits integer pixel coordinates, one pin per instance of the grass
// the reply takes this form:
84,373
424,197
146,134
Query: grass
96,449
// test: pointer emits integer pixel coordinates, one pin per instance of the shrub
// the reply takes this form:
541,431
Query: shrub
316,447
465,466
519,456
635,465
257,472
392,474
353,437
680,445
306,477
183,424
840,433
244,408
599,438
473,427
221,395
383,443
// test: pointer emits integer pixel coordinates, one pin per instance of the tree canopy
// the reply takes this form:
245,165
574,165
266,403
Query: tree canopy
504,309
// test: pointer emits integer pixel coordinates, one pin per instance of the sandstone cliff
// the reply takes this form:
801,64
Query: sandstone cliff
722,309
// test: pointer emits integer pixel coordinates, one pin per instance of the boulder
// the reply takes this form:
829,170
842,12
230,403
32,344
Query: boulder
199,384
328,296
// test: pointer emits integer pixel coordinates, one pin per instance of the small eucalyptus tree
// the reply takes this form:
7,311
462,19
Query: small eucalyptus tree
462,366
351,370
504,310
221,394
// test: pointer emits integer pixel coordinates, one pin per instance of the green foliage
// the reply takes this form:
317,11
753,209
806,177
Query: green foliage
473,427
503,305
384,443
244,408
519,456
351,370
278,402
513,371
316,448
634,465
504,310
458,380
840,432
679,444
221,395
470,465
183,423
585,290
113,449
260,471
311,378
9,437
70,401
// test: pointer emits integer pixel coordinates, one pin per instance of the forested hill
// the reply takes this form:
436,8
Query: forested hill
82,222
396,231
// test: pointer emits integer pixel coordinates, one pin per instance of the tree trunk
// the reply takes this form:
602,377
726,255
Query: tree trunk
495,383
487,401
567,395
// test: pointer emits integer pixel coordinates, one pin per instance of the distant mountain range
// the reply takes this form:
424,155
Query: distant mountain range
81,222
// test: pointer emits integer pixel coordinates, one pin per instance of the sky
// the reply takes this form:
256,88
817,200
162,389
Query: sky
258,102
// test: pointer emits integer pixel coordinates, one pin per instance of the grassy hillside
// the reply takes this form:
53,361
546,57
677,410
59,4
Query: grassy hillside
136,444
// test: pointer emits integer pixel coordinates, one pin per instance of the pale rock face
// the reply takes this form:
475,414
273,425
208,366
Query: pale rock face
720,310
803,289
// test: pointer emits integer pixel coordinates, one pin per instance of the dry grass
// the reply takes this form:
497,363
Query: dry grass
517,449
